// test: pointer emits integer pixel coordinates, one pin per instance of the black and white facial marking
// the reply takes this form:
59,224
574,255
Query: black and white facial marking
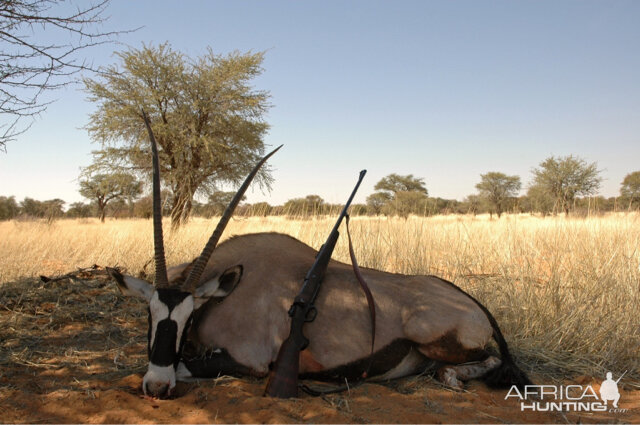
170,314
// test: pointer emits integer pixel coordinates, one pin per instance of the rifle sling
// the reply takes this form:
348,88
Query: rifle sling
372,315
367,293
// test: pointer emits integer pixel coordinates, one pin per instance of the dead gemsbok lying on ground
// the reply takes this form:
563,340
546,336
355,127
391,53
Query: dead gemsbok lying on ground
230,308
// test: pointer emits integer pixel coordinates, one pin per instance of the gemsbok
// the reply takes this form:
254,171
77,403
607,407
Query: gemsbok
226,313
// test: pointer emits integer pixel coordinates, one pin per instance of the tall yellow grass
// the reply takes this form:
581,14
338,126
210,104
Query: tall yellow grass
564,290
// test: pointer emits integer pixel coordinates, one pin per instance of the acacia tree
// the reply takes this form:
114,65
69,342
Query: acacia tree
377,200
218,202
538,199
104,188
394,183
630,187
259,209
565,178
8,208
79,210
476,204
49,209
498,188
31,63
399,195
207,119
309,205
53,209
405,203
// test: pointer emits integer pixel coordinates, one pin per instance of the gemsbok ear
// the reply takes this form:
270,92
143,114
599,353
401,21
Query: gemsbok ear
219,287
129,285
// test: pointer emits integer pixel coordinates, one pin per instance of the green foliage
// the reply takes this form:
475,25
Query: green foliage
53,209
259,209
377,200
444,206
565,178
8,208
538,199
308,206
405,203
31,207
399,195
207,118
218,202
394,183
105,188
498,189
143,207
357,209
476,204
630,188
50,209
79,210
593,205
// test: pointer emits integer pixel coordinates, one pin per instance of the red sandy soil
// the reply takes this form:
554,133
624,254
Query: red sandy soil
231,400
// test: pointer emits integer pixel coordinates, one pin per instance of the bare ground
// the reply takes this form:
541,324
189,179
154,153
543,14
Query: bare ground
74,351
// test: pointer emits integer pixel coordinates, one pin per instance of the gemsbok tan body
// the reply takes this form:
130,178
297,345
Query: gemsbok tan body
226,313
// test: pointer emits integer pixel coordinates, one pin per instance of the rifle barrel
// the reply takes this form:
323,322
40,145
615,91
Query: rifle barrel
348,204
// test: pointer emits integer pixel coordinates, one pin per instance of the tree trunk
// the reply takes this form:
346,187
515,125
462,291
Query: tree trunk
102,206
182,204
178,217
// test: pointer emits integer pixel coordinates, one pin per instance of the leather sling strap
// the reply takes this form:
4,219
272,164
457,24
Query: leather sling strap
372,315
367,293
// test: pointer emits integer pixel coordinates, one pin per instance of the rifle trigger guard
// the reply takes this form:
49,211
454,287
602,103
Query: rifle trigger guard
311,314
305,344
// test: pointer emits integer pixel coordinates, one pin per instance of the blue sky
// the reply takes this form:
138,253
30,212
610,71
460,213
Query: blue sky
441,90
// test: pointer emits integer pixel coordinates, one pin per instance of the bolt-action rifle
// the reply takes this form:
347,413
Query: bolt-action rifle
283,379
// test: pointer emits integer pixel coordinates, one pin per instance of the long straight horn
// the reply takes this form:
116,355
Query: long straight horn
161,278
201,261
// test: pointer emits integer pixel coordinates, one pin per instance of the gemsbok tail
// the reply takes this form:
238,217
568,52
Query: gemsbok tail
508,373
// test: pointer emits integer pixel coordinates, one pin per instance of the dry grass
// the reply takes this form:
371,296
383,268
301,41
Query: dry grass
565,291
79,329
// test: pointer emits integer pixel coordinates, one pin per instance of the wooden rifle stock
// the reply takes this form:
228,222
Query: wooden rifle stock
283,378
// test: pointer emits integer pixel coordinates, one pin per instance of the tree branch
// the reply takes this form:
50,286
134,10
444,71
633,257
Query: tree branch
29,66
